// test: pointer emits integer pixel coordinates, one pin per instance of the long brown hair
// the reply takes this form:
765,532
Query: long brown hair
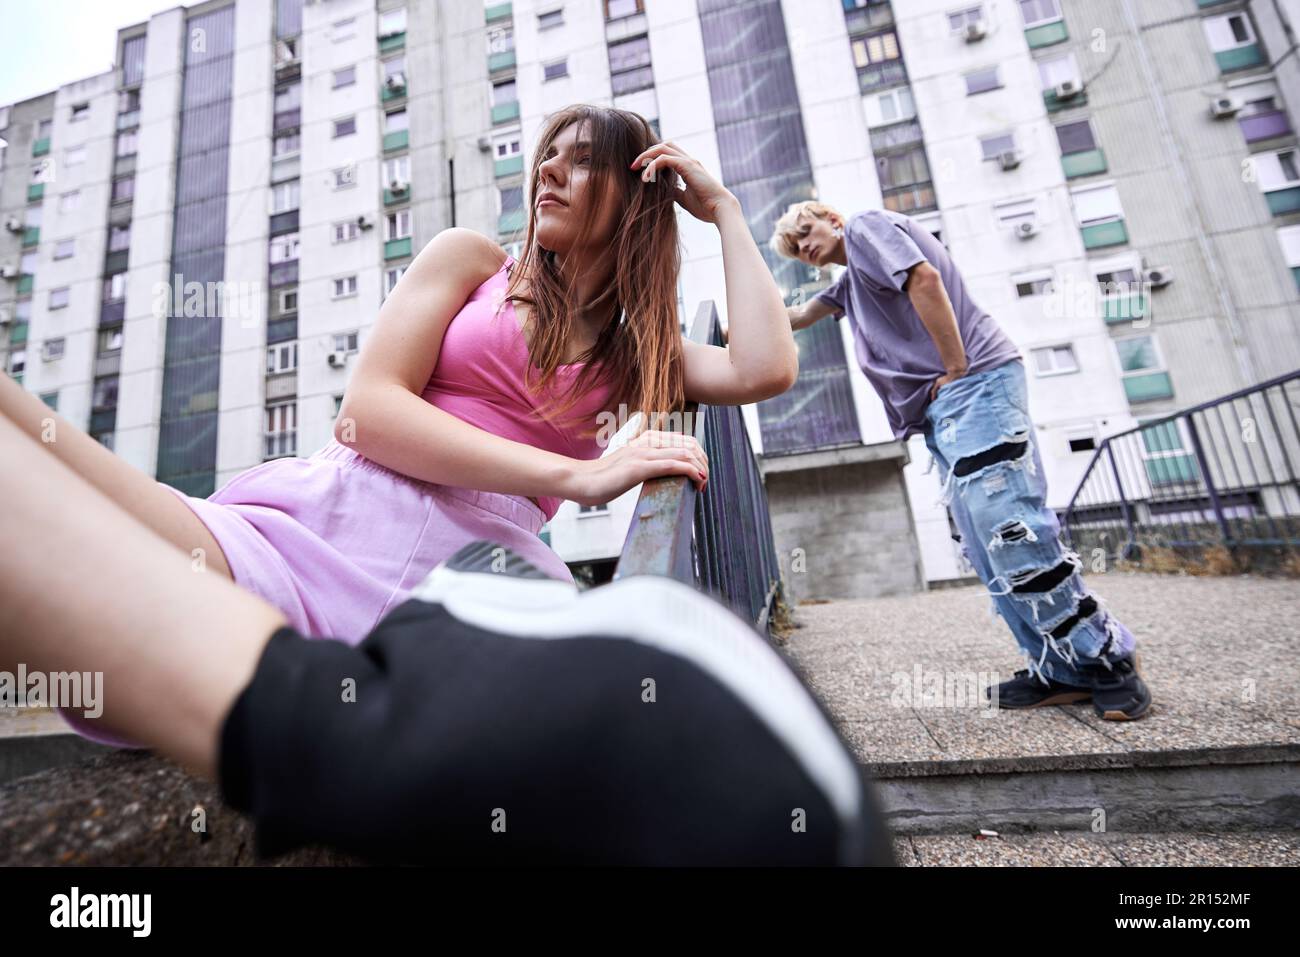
640,350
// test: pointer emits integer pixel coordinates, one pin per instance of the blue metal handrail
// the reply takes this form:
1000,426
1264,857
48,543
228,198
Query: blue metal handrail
719,541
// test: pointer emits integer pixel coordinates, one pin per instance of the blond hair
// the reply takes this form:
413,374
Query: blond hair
785,239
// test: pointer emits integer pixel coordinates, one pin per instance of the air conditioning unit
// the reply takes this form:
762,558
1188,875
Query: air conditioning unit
1068,90
484,143
1009,159
1224,106
8,271
363,223
5,317
1158,277
14,224
338,359
396,83
285,52
1026,229
398,186
975,31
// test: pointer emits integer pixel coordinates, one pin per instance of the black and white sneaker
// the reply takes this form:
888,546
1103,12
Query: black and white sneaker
504,718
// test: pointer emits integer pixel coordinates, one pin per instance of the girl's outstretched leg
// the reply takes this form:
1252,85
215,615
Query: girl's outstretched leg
86,587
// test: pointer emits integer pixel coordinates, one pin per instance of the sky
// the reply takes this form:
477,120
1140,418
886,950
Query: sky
46,43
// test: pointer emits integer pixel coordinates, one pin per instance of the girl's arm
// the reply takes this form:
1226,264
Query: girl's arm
760,359
384,417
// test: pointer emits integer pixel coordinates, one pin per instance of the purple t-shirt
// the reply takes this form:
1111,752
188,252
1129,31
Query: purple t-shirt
893,347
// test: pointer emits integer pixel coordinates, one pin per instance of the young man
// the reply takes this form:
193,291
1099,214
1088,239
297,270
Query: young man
944,369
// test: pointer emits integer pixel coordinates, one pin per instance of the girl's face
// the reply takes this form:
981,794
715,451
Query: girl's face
565,174
817,241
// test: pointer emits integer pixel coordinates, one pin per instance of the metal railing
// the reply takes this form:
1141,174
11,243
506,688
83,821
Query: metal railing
719,541
1220,473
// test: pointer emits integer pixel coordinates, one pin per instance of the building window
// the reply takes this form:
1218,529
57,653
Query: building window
127,143
345,126
285,196
343,29
500,40
1054,360
70,201
345,342
896,105
905,181
281,429
397,168
1097,204
395,121
1142,369
1038,12
338,404
1033,284
77,155
44,128
115,287
1056,70
395,74
556,69
503,93
104,395
347,76
392,22
284,248
65,248
512,198
1277,170
119,238
59,297
345,176
289,300
391,277
958,19
585,510
345,232
1229,32
17,362
123,189
1082,442
617,9
1289,239
51,399
345,286
397,224
110,341
282,358
1016,212
1076,137
549,19
981,81
52,349
994,146
80,111
27,263
508,146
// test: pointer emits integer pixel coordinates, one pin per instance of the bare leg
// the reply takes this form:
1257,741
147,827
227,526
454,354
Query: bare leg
139,494
86,587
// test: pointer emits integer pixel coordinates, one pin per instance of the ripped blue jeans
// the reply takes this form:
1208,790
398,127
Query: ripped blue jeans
980,434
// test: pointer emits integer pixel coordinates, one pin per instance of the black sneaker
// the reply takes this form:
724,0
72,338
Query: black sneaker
1025,690
1121,694
496,717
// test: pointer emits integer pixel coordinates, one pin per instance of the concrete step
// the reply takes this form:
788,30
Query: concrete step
33,739
1218,750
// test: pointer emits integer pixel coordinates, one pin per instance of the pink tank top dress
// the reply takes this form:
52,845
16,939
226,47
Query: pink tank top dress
336,540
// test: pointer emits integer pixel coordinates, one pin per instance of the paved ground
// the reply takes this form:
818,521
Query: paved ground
1179,849
1219,655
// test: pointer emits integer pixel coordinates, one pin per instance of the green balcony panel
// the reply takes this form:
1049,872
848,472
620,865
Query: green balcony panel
390,197
1087,163
511,222
1171,469
31,236
41,147
1054,105
505,112
25,284
1144,388
1295,273
18,378
1282,201
18,334
397,248
396,140
1211,3
1240,58
508,167
501,61
1047,34
498,11
1105,234
395,42
391,94
51,399
1124,308
35,191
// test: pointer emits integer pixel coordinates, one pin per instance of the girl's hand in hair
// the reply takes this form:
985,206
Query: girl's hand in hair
694,187
650,455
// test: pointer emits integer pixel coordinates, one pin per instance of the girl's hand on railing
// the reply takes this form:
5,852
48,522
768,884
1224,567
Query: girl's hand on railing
650,455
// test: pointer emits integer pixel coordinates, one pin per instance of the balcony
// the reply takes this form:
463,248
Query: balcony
31,236
112,312
505,112
109,364
1148,387
881,75
1265,126
35,191
397,140
501,61
509,166
1055,103
18,334
287,120
917,198
41,147
25,284
286,222
1099,235
1239,58
397,248
280,444
394,41
1283,201
511,222
129,120
1087,163
283,385
1123,308
1046,34
498,11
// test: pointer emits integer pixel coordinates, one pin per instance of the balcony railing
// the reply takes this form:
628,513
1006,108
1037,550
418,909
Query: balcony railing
1226,472
720,541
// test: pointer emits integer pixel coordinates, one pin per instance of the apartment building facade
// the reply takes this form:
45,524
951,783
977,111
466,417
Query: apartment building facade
1117,180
